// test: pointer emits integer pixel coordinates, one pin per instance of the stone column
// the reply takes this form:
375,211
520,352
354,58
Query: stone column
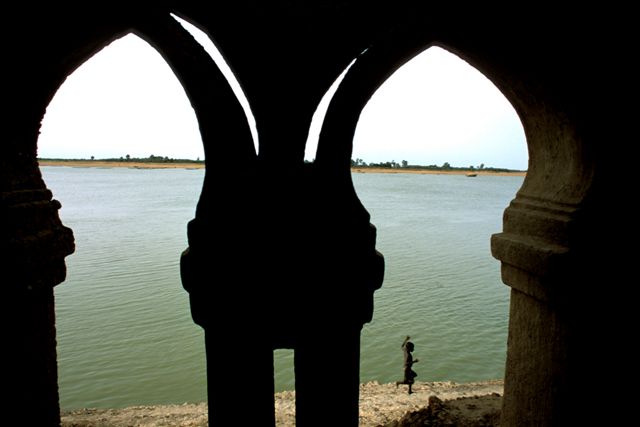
34,245
549,314
239,376
327,369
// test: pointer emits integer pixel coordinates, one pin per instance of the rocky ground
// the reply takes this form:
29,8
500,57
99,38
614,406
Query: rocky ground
431,404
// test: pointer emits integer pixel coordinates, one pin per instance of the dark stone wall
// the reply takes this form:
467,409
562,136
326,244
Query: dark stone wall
560,232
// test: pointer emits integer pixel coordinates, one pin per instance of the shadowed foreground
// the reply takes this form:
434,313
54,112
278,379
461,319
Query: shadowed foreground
469,404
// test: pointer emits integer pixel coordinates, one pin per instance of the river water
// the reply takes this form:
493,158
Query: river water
125,334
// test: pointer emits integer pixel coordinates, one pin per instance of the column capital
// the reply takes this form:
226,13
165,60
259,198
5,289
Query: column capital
34,242
537,245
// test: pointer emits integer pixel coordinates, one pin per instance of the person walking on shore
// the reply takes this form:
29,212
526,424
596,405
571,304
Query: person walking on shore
409,373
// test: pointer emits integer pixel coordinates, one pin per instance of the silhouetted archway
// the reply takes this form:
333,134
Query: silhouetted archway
557,232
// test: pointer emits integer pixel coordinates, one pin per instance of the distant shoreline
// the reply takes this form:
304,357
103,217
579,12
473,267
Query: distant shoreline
436,171
182,165
122,164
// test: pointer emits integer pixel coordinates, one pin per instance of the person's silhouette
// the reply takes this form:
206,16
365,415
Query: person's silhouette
409,374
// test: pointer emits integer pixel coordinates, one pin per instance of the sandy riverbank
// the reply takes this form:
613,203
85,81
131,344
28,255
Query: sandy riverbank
434,172
154,165
466,404
123,164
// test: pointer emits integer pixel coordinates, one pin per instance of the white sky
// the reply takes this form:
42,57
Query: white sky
435,109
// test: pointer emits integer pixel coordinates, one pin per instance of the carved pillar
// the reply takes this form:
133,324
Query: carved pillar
277,286
336,300
551,313
230,300
34,245
537,333
239,374
327,367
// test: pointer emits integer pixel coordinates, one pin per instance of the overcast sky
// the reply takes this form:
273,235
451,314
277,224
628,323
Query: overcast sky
435,109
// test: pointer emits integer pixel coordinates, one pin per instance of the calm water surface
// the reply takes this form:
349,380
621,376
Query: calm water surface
125,335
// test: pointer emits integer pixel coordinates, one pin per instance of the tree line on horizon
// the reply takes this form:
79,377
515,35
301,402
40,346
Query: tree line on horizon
127,158
446,166
355,163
